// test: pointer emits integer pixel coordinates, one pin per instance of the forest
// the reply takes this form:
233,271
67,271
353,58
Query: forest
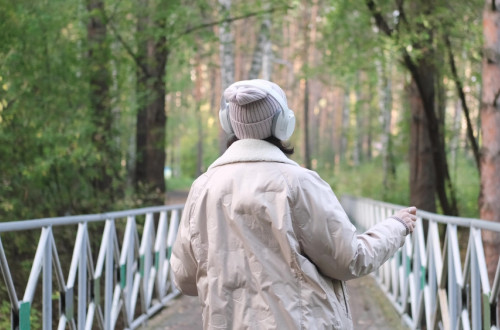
111,104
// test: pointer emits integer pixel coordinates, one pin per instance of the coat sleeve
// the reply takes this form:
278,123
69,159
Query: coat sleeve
183,261
329,239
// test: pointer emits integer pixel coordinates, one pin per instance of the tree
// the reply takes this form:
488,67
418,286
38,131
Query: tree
490,129
100,105
262,52
422,174
226,56
384,87
152,59
422,68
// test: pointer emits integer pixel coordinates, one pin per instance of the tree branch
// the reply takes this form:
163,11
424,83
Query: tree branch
127,47
402,14
461,94
189,30
379,19
229,20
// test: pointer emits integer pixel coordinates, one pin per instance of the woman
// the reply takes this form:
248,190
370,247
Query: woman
263,242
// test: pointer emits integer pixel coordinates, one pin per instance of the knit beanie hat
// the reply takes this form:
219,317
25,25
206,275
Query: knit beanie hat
252,109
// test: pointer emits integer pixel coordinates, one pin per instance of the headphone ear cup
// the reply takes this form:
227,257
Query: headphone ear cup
283,124
224,117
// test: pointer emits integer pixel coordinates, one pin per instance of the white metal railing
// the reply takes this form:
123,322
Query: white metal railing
426,280
133,272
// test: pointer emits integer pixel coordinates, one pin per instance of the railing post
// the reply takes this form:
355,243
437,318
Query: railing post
172,231
145,258
11,290
475,285
82,278
160,254
455,281
109,275
47,281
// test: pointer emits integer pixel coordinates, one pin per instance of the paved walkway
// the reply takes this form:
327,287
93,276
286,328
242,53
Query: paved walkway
370,310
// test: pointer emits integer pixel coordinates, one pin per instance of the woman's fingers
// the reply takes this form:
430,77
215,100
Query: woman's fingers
408,216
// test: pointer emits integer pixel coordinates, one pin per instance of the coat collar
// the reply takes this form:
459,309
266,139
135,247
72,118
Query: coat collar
252,150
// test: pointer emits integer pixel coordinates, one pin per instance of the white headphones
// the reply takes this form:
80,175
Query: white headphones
283,121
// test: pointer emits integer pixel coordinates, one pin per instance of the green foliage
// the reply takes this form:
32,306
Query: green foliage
466,178
350,43
50,158
366,181
179,183
5,311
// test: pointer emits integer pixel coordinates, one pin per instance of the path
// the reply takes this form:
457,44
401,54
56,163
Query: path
370,310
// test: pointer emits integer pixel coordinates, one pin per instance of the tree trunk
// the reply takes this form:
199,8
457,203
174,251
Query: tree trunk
305,86
226,58
422,174
260,58
344,131
455,138
307,149
151,117
267,60
365,138
369,129
358,106
100,82
423,74
490,128
385,105
199,120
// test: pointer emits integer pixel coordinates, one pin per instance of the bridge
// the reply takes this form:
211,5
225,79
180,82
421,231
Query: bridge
118,275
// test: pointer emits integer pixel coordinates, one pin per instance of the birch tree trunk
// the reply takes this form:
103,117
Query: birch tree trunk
385,105
307,147
199,119
262,53
305,85
267,57
358,147
455,138
344,129
489,206
226,51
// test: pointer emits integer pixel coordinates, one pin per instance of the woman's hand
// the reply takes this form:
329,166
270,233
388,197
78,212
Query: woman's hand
407,217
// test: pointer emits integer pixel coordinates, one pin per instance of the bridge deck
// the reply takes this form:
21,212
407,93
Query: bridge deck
370,310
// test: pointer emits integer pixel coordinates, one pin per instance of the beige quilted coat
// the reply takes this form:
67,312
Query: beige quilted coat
265,244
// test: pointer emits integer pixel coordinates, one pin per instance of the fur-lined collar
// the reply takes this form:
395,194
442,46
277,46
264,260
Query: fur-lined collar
252,150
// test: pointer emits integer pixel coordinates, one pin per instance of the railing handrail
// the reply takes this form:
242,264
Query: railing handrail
445,219
20,225
433,281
